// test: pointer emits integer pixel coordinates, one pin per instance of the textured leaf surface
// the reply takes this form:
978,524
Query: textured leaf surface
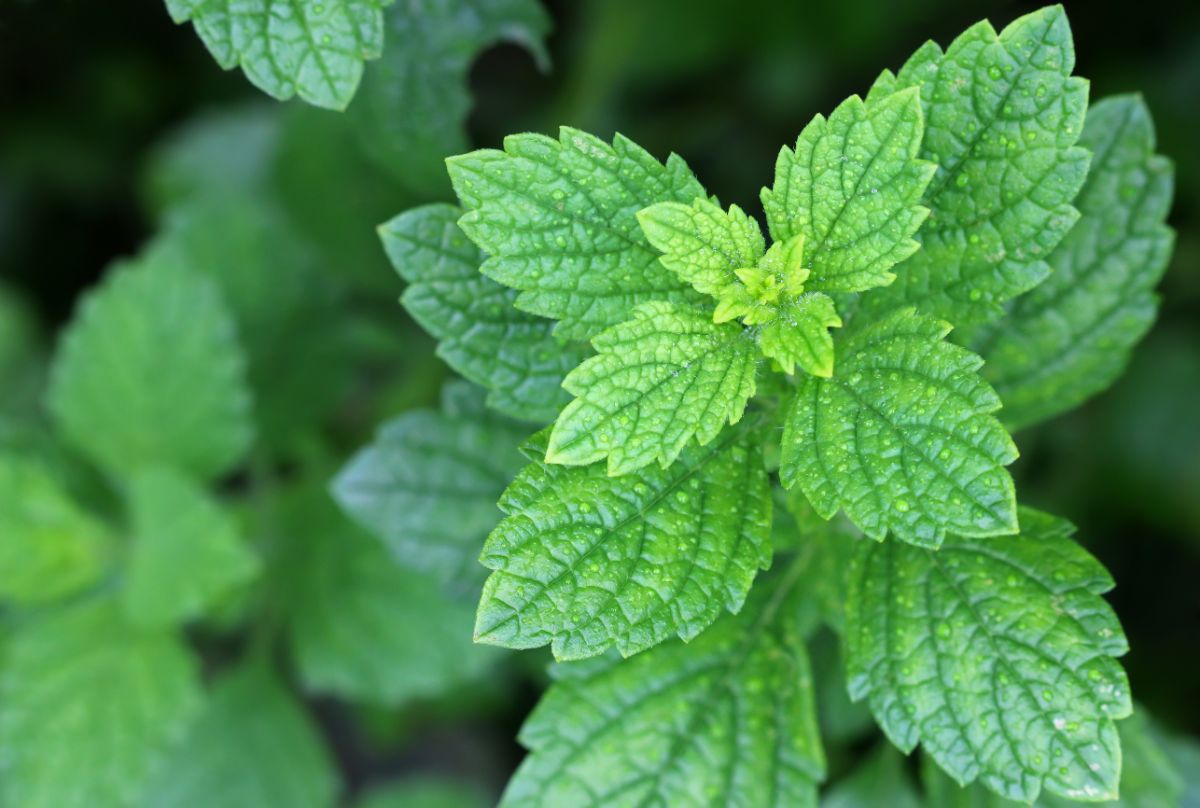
902,437
362,627
1002,114
428,485
703,244
252,746
558,218
1071,337
187,551
49,547
852,187
412,108
727,719
314,49
150,373
997,656
722,254
800,335
87,707
584,561
482,334
657,381
1148,778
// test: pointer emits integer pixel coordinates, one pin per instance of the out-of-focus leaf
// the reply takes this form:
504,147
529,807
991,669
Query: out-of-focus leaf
428,484
49,547
290,316
186,550
88,706
252,746
877,782
413,105
150,372
423,792
361,626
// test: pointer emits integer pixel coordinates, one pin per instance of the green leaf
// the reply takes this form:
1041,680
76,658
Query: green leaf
902,437
290,317
727,719
558,218
411,110
852,187
658,380
424,792
997,656
703,244
229,152
187,553
481,334
88,705
150,373
1148,778
49,548
428,484
878,782
252,746
307,48
362,627
1071,337
584,561
1002,114
800,335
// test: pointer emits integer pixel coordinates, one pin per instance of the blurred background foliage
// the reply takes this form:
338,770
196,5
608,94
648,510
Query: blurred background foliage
120,136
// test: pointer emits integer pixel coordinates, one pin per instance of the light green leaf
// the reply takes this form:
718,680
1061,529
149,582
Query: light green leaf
1002,114
49,548
727,719
291,47
290,317
558,218
428,484
584,561
411,110
902,437
424,792
703,244
150,373
88,705
1071,337
186,552
852,187
253,746
482,334
362,627
997,656
799,335
658,380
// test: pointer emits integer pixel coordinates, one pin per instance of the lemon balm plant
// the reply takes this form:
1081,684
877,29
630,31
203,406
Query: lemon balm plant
750,432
